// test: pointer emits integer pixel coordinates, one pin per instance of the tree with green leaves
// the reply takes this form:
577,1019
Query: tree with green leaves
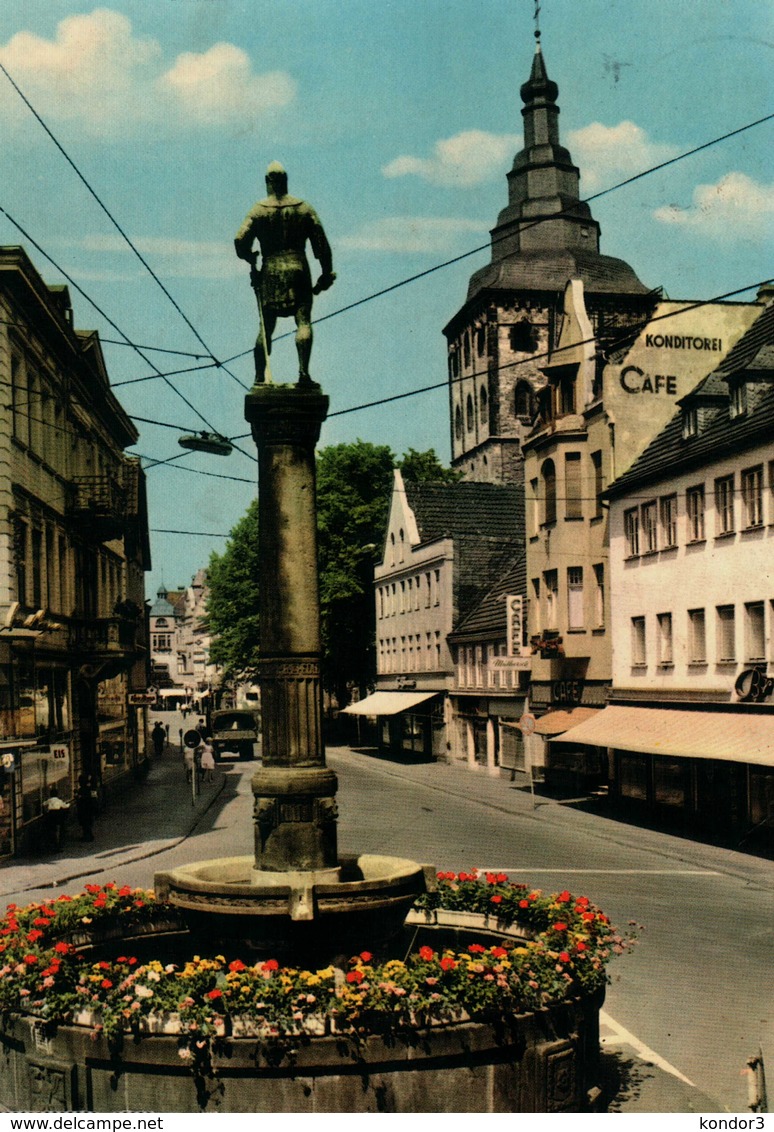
354,482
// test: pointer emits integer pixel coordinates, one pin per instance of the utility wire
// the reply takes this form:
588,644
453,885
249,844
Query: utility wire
115,223
110,321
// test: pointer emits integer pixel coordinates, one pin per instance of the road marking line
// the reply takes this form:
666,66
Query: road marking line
601,872
621,1035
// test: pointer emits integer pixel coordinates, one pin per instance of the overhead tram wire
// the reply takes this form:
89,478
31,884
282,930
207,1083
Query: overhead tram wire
115,326
116,225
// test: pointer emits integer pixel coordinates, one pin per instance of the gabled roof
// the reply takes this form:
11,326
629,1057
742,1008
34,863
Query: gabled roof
720,433
488,618
454,510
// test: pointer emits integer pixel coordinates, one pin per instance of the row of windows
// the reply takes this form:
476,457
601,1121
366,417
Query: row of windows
523,408
473,668
414,653
42,558
419,591
522,336
579,617
733,505
546,495
728,647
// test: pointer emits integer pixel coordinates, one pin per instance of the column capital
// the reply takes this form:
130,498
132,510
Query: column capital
286,414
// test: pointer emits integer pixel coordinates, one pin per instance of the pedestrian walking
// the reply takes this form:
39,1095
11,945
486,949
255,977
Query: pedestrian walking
56,813
203,729
86,806
158,738
188,756
207,761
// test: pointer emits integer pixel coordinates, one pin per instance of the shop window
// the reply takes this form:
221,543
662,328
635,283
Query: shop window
726,634
670,781
697,636
695,503
724,505
752,496
633,776
668,506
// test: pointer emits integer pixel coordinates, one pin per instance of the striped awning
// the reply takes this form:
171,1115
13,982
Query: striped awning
734,736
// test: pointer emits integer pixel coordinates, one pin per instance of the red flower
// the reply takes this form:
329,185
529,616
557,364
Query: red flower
497,898
524,903
237,965
588,916
61,947
106,984
34,935
476,948
215,993
271,965
564,897
41,922
103,965
125,890
426,952
30,960
355,976
559,926
564,956
366,956
447,963
499,952
139,903
580,946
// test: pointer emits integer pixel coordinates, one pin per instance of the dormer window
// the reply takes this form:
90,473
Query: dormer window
738,400
690,422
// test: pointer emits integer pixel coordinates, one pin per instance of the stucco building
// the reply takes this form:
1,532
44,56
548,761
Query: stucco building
73,551
689,730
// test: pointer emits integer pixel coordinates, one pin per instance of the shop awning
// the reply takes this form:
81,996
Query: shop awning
555,722
387,703
738,736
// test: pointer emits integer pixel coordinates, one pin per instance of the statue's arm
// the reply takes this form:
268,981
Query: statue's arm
322,253
243,241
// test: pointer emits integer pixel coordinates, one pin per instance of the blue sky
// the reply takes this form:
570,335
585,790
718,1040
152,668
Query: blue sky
398,121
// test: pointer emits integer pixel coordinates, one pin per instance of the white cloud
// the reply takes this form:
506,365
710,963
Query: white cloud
467,159
735,206
606,154
169,258
410,234
98,75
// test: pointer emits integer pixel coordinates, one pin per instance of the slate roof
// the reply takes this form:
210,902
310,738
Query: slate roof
720,434
488,618
451,510
549,270
486,522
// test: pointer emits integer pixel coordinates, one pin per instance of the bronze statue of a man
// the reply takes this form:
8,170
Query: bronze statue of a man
283,286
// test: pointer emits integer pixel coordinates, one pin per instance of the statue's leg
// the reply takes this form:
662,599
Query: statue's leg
304,340
263,345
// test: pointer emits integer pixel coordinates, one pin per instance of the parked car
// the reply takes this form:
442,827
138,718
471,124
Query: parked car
234,734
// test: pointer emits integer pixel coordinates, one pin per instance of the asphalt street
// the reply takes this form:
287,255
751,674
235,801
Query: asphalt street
685,1008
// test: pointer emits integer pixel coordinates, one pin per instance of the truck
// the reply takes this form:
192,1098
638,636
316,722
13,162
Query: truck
234,734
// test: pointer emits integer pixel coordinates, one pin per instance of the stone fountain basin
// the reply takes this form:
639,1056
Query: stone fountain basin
300,915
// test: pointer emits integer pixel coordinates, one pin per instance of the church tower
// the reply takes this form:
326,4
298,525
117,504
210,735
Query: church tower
500,337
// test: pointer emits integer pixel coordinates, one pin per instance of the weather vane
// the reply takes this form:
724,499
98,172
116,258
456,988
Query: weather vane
537,19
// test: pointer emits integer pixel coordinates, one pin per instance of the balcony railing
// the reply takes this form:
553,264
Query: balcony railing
98,504
103,638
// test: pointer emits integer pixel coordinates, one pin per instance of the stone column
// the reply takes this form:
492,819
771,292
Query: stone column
295,807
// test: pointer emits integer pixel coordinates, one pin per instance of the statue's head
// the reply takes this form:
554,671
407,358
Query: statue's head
276,179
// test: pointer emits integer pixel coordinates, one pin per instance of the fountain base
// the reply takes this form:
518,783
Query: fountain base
306,915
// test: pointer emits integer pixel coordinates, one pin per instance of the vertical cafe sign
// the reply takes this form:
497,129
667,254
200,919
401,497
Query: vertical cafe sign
515,624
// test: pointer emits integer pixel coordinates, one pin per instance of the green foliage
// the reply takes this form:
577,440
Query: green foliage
232,604
354,483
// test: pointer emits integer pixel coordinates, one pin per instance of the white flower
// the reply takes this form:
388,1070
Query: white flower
143,992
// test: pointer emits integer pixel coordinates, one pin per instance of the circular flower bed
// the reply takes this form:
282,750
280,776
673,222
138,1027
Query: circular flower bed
48,970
